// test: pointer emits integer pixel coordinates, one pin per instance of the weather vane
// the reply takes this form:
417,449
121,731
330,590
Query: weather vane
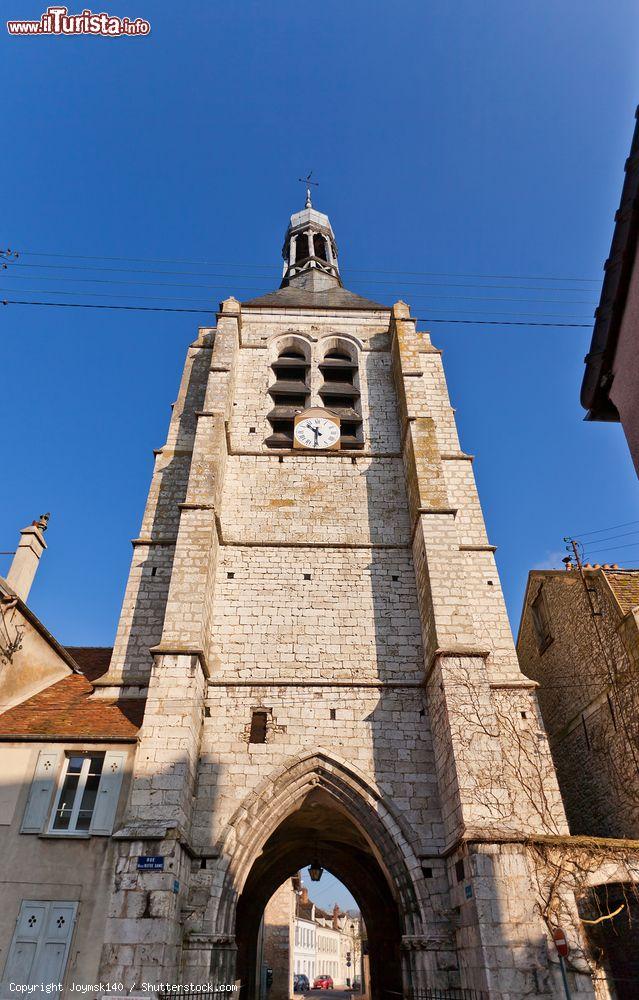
309,183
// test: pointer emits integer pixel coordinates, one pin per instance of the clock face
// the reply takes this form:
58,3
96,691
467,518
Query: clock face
317,432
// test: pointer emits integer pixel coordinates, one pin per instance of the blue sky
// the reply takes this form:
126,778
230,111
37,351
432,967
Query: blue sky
459,138
328,891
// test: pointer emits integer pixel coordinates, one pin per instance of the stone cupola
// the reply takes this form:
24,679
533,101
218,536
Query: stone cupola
310,251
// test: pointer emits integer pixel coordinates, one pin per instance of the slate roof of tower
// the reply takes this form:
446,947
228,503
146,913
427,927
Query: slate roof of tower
301,298
64,710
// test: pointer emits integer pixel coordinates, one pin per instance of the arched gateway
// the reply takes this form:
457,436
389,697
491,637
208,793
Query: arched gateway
321,806
314,608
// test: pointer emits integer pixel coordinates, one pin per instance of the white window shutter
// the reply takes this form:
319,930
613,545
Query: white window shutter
44,779
40,946
106,802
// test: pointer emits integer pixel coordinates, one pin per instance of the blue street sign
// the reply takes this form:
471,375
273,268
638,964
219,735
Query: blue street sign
150,863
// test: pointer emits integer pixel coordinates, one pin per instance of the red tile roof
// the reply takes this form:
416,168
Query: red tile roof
64,709
625,586
93,661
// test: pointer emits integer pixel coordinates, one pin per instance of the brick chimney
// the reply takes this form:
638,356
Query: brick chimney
304,894
336,917
27,556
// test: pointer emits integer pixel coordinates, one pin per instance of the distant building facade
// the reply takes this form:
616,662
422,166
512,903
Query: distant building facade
305,937
609,390
326,944
328,953
579,639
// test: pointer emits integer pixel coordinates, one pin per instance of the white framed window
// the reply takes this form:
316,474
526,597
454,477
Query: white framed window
74,794
77,794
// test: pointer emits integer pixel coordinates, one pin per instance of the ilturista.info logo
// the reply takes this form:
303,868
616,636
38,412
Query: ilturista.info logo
58,21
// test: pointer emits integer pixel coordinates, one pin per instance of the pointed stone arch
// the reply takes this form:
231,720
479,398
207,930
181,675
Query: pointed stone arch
271,803
362,841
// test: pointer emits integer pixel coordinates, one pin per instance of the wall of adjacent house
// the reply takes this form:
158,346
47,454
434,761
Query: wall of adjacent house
279,918
597,776
52,867
32,667
623,391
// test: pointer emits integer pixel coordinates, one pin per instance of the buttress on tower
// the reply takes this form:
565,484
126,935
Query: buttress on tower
330,669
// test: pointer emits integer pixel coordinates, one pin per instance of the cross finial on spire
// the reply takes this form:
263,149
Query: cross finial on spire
307,180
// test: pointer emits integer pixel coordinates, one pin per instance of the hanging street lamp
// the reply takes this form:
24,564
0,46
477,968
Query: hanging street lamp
315,871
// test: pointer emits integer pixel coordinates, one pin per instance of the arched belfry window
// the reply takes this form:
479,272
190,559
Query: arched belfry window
319,247
340,392
301,247
289,393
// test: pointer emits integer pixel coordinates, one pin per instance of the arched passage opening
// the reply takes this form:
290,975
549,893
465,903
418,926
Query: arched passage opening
319,829
312,936
611,923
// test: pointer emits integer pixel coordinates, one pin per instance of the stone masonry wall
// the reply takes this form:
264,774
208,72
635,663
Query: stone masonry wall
598,781
382,732
314,498
279,917
355,617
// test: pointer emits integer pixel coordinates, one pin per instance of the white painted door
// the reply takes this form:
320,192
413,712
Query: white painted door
40,946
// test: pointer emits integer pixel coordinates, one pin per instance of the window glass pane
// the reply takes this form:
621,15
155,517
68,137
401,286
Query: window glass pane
67,798
87,805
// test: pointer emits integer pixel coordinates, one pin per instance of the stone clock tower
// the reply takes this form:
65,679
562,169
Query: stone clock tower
318,621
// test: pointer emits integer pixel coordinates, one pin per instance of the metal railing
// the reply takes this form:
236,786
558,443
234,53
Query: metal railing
452,993
201,994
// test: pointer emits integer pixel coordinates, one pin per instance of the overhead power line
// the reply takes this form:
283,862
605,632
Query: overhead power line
252,277
252,288
612,538
599,531
208,263
94,305
611,548
98,295
205,311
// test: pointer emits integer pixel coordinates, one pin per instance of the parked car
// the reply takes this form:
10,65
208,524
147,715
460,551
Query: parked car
301,983
356,986
323,983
